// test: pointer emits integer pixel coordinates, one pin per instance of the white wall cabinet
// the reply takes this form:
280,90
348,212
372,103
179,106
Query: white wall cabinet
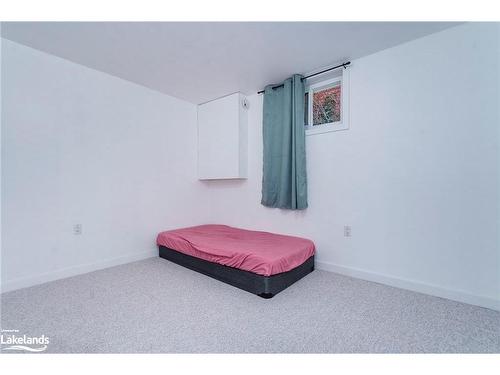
222,138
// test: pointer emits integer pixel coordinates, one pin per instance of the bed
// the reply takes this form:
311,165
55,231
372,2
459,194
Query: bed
259,262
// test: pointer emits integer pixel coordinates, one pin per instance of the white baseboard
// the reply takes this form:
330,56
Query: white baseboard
412,285
25,282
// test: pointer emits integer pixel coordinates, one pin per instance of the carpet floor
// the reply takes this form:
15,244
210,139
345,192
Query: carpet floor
155,306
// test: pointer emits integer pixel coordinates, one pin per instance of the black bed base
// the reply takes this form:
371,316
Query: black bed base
263,286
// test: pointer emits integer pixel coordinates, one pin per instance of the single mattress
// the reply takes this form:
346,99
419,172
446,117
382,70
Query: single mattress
262,253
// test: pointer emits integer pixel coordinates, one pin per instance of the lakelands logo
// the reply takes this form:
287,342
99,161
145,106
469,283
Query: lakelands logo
11,340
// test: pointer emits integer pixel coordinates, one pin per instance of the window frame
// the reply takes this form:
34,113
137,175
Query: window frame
343,124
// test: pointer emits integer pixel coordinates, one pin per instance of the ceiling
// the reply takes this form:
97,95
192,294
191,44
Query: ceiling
200,61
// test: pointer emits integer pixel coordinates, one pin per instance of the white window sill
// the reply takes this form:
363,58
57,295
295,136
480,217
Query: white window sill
319,129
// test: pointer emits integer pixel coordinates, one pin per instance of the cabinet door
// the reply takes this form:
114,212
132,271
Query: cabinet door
218,139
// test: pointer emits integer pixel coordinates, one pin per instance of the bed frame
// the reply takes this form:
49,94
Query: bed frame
263,286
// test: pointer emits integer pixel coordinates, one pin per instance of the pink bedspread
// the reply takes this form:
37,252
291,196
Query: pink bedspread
259,252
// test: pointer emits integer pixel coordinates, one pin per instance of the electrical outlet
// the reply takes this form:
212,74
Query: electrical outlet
77,229
347,231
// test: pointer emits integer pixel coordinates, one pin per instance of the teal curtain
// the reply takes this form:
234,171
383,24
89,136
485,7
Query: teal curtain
284,181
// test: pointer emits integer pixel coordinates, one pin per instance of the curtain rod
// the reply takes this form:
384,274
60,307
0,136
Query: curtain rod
344,65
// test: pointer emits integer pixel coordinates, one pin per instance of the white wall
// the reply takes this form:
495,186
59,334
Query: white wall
80,146
416,176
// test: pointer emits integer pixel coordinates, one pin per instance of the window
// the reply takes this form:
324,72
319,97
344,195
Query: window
328,109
